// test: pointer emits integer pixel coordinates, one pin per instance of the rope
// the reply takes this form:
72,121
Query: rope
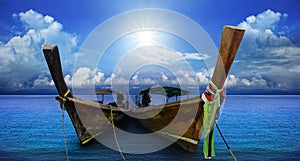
64,99
63,128
233,156
115,135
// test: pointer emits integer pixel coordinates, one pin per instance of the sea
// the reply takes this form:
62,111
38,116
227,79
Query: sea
256,127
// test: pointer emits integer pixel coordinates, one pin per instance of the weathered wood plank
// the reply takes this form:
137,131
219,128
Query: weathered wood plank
230,41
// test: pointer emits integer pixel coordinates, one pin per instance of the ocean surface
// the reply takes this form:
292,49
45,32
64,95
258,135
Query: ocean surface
255,127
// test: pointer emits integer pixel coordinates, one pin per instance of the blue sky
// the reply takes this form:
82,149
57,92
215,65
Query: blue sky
267,61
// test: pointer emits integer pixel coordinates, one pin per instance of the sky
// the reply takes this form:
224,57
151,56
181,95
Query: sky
267,62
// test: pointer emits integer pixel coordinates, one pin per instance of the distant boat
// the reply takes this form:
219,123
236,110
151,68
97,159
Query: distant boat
89,123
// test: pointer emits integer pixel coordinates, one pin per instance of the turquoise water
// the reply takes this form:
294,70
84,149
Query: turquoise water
256,128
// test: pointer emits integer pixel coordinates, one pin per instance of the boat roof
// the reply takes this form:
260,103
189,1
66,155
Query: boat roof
108,91
166,91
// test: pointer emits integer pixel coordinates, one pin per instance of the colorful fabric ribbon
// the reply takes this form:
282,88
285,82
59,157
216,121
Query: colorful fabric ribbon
213,98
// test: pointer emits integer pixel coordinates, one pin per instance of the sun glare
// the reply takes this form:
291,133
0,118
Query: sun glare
145,38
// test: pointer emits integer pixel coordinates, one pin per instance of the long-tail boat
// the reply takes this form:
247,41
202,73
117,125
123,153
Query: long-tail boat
156,118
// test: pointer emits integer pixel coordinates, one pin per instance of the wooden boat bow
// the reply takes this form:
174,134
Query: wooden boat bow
51,54
214,94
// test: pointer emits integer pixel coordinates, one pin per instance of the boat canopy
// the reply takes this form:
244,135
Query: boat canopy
108,91
120,97
166,91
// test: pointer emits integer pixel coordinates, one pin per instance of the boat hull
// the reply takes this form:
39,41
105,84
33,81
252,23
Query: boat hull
94,117
180,121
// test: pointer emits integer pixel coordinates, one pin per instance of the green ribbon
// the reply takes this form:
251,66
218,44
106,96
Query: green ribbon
206,146
210,110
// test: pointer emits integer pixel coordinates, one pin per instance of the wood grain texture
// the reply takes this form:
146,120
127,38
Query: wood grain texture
230,41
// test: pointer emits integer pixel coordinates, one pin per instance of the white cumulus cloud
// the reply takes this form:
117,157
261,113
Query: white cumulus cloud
235,81
21,61
204,76
43,82
262,30
232,80
85,76
266,49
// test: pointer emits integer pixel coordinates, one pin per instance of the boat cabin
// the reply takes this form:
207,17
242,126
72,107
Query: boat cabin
143,98
119,100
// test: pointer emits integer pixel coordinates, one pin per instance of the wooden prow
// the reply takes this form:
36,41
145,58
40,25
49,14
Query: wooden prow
230,41
51,54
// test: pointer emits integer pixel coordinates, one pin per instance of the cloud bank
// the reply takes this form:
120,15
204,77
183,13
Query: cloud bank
267,53
267,58
21,61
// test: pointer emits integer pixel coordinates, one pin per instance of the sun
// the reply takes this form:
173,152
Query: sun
145,38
